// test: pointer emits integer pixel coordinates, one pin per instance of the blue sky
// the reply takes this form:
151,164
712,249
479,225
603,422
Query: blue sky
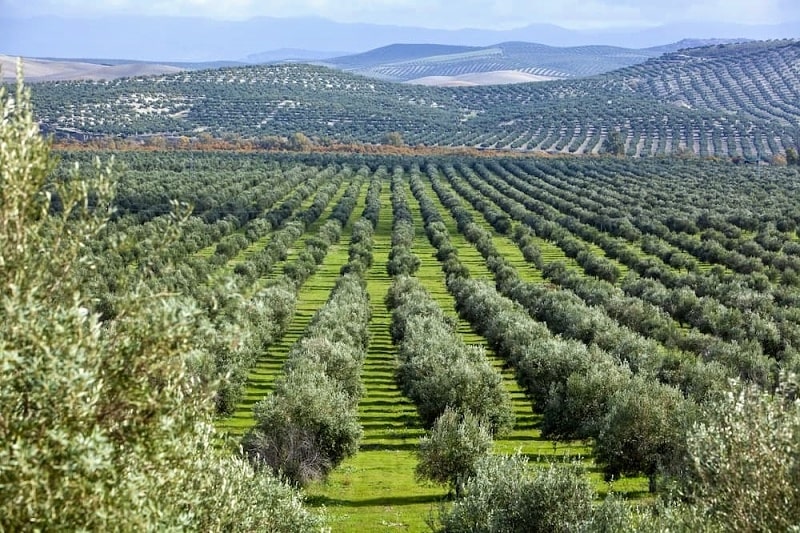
449,14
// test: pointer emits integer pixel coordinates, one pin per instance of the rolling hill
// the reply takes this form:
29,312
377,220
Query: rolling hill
492,77
425,64
409,63
36,70
722,100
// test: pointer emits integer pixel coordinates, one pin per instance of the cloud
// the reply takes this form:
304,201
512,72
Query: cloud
438,13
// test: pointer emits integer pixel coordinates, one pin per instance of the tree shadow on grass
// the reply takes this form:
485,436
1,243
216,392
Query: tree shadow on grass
390,501
370,420
395,447
262,386
522,438
392,402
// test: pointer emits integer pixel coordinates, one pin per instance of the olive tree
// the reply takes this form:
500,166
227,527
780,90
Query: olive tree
505,494
644,430
744,460
576,407
306,427
449,452
104,424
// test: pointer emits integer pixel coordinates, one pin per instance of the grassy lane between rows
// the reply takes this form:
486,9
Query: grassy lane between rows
525,435
375,490
261,243
505,245
209,250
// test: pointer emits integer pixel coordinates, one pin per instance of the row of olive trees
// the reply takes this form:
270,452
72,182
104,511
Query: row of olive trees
241,327
557,307
631,435
309,424
141,247
265,316
566,314
360,251
739,472
628,419
545,363
453,407
436,369
737,305
401,258
719,319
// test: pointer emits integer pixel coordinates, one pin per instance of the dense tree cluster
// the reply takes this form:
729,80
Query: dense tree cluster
401,259
309,424
104,421
436,369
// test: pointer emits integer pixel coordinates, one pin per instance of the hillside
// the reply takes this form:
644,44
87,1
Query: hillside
36,70
492,77
409,63
726,100
396,53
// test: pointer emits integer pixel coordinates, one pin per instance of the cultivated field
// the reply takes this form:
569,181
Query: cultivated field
736,100
665,277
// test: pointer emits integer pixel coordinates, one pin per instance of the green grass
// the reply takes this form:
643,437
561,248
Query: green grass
597,251
208,251
375,490
467,253
253,247
311,296
505,246
299,245
259,244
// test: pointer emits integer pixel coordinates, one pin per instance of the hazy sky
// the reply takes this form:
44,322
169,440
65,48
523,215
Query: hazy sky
449,14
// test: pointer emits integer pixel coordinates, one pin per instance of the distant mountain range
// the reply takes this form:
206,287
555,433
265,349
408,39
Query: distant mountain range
193,39
425,64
